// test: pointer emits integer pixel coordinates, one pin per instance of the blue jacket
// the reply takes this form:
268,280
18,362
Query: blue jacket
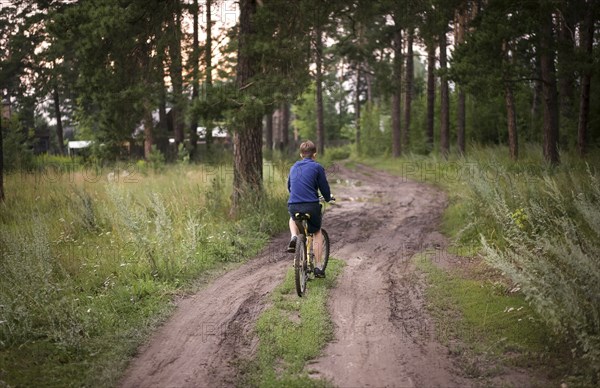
306,178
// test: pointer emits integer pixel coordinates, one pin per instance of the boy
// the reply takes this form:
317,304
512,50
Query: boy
306,179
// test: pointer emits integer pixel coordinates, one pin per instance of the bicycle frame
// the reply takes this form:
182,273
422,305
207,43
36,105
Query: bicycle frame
304,259
303,226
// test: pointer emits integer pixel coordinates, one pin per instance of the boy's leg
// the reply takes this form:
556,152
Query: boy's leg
318,247
293,228
294,232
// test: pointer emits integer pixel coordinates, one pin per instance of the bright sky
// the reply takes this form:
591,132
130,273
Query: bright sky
224,15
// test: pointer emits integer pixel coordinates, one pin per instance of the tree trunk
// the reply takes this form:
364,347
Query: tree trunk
445,100
195,81
550,100
566,52
175,72
208,45
343,111
408,91
512,121
208,80
397,91
59,124
509,102
319,81
369,80
277,129
475,9
461,121
247,140
357,107
269,132
460,112
160,136
587,43
148,132
285,125
535,98
430,94
2,197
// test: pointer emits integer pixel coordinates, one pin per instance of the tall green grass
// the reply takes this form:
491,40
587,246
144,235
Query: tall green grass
90,258
539,224
549,243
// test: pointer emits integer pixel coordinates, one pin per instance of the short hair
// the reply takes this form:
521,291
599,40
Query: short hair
308,149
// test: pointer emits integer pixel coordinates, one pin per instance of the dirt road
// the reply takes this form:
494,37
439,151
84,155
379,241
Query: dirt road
383,334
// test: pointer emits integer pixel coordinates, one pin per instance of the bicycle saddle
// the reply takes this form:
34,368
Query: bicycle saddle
301,216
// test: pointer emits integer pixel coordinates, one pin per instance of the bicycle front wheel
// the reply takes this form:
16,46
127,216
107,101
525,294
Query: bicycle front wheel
326,247
300,265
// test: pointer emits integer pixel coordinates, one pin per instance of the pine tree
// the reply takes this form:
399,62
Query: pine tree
587,45
546,48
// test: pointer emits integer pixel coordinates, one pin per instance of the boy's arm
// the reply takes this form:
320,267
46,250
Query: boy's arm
323,184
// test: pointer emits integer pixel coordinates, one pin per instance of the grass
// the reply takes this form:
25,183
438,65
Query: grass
535,223
291,332
91,258
488,325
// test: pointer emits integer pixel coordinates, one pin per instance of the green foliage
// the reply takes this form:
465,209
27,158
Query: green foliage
90,258
156,159
118,78
183,154
306,115
17,146
338,153
375,128
549,245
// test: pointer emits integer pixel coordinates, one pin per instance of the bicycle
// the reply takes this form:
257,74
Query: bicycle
304,257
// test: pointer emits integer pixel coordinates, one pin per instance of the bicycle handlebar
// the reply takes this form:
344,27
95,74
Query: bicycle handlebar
322,199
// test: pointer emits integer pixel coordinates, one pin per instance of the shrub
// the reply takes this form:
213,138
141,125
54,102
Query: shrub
156,160
547,239
339,153
375,136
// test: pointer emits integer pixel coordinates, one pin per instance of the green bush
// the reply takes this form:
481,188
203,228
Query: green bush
156,160
339,153
550,244
375,137
18,154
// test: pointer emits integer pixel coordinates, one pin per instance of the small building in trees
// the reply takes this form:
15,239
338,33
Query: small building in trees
78,147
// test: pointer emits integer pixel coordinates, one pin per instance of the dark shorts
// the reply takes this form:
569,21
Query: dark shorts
314,209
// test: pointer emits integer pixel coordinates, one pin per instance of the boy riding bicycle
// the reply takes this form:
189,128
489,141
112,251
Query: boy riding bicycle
306,179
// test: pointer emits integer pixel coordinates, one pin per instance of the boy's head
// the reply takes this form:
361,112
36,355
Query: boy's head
308,149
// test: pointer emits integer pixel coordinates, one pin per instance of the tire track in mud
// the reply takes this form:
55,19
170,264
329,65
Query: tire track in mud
211,331
383,334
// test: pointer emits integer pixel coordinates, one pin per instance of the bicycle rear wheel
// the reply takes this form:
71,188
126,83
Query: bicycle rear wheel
300,264
326,247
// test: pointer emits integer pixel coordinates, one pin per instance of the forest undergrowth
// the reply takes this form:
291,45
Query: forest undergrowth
91,258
